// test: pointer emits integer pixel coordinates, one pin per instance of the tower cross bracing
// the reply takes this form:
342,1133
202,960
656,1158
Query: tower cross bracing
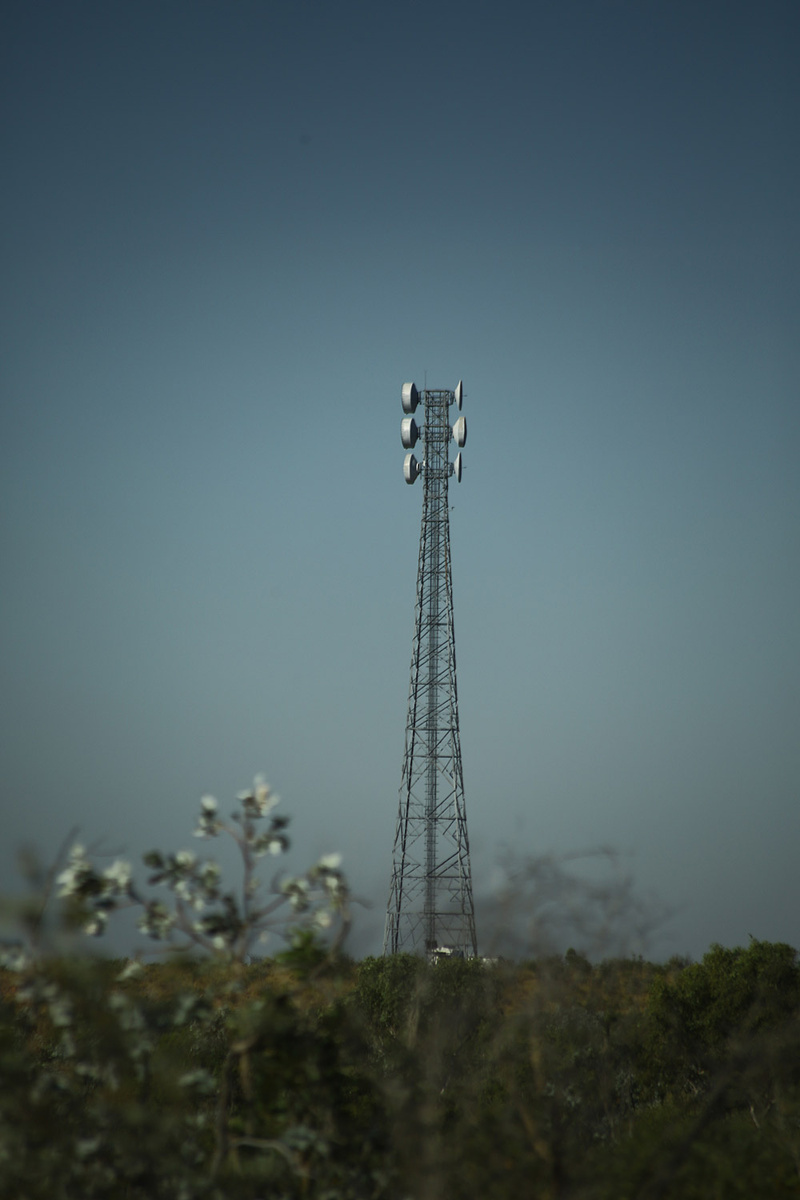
430,905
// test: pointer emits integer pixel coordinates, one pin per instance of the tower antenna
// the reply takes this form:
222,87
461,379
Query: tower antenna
430,907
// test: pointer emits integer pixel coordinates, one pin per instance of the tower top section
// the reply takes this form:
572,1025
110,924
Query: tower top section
435,431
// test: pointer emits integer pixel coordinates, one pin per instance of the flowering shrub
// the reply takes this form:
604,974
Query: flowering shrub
209,1076
140,1081
201,914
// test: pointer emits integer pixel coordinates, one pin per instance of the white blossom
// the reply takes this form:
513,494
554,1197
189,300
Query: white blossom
263,795
77,872
131,968
269,843
297,890
259,800
66,882
208,825
14,959
119,875
96,924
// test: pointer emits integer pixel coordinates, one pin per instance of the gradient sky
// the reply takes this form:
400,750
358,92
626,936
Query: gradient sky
230,232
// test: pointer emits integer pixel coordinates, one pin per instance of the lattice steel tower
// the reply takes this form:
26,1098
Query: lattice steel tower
430,899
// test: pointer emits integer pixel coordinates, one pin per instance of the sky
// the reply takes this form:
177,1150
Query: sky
230,233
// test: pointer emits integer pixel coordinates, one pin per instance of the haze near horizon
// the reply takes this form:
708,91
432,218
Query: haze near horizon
231,232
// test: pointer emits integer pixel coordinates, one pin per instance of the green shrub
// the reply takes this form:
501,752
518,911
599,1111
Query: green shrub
208,1075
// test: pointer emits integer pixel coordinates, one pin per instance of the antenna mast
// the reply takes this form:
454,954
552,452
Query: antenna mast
430,905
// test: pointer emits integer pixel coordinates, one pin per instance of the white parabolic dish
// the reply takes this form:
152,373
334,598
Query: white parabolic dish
410,468
410,397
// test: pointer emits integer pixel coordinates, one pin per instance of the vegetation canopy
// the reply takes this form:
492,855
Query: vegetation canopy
214,1074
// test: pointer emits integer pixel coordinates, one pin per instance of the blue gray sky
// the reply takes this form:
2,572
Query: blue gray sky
231,231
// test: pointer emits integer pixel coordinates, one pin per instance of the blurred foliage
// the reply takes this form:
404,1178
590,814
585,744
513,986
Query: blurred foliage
307,1075
393,1078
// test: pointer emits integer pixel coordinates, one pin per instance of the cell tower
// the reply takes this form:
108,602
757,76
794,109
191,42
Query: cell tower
430,899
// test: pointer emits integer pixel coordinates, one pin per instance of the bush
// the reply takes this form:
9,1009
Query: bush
210,1075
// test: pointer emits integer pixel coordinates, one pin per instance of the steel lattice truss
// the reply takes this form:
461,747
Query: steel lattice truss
430,899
